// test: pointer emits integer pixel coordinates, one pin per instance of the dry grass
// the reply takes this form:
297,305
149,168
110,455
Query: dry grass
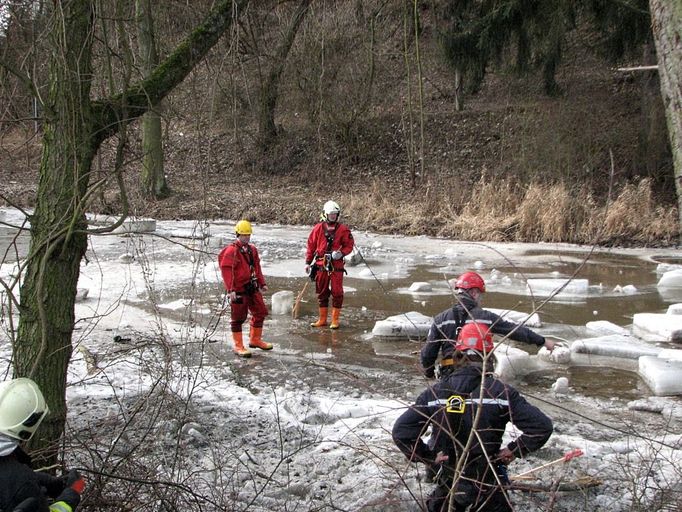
500,210
490,212
635,215
554,213
374,209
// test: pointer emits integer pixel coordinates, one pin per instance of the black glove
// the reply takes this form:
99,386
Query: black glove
430,372
74,487
53,485
71,478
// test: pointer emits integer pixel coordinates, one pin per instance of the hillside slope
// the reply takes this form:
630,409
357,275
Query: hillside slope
604,131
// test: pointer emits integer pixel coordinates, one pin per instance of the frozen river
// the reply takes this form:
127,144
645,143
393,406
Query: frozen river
163,289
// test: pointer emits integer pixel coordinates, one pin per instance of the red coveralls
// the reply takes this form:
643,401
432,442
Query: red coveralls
238,264
318,245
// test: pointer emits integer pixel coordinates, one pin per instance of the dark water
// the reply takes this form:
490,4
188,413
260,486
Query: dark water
383,300
353,345
593,381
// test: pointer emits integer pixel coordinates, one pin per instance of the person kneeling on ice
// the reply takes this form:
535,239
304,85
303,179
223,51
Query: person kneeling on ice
469,288
240,266
328,243
22,409
468,411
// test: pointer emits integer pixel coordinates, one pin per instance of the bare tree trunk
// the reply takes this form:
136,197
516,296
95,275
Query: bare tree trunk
270,88
58,239
75,127
459,93
654,146
19,21
666,20
152,178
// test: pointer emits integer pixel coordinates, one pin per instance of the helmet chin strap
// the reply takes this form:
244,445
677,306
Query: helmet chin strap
7,445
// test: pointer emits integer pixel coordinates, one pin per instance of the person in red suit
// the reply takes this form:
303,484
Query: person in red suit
328,243
240,266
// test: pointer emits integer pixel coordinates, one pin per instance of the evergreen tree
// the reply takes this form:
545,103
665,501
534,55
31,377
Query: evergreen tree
475,33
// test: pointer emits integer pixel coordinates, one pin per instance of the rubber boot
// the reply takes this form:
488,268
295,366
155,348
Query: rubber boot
323,318
238,339
336,313
255,340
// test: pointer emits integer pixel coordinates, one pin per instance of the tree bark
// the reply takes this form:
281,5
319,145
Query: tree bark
58,241
666,20
75,127
152,177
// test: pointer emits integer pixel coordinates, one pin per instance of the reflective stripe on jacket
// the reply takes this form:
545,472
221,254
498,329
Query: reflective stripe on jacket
60,506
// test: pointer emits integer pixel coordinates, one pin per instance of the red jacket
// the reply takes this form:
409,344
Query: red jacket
238,263
318,244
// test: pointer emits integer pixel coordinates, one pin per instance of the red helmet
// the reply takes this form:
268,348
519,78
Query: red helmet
470,280
475,336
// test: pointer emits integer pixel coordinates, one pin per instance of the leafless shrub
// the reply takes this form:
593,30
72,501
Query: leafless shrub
334,67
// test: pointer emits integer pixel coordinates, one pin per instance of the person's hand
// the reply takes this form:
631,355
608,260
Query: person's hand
307,269
505,456
337,255
75,481
549,344
430,372
233,296
75,485
264,288
53,484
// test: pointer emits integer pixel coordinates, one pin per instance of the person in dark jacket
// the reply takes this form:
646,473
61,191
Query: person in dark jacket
22,409
468,411
469,288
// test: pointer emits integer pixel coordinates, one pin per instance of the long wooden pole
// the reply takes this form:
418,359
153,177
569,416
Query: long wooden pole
570,455
297,302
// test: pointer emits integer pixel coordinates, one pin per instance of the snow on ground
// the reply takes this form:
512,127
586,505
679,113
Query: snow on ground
155,392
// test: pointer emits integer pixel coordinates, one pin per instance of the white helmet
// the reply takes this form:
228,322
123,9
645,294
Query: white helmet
330,207
22,408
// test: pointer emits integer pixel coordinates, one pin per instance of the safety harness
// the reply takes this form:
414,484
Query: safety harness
326,258
252,286
329,235
455,406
